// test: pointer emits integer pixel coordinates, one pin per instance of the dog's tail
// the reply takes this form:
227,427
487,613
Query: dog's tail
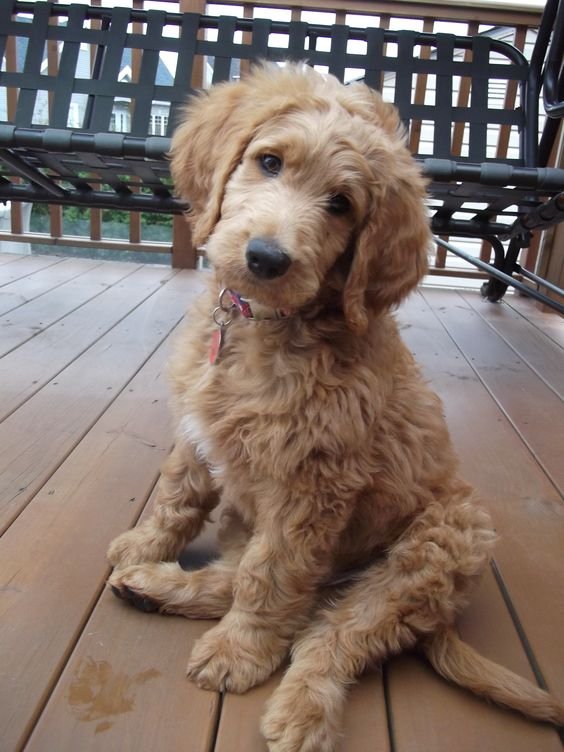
456,661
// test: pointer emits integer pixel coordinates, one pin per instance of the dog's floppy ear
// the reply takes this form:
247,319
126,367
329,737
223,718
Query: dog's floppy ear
390,255
206,148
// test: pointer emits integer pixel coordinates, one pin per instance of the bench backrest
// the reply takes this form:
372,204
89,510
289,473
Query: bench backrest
139,66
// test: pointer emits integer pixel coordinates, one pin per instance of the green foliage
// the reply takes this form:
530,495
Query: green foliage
77,213
164,220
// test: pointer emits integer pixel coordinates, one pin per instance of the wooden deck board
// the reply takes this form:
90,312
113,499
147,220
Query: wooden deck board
26,289
537,350
550,323
486,442
525,399
68,527
38,437
26,370
36,315
364,729
80,670
526,508
120,649
429,714
8,258
131,665
26,267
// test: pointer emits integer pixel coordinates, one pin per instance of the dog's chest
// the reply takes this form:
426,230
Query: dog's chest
232,412
194,431
272,404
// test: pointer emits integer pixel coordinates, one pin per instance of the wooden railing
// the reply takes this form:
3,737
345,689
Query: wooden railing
515,24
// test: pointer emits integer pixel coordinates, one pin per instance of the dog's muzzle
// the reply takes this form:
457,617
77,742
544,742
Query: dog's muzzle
266,259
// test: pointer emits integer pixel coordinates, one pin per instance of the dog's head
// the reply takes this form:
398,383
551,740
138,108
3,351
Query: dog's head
296,182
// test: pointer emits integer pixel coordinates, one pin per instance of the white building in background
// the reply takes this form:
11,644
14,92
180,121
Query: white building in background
121,115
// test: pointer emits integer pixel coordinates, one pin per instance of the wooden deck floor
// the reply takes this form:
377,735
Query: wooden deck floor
83,429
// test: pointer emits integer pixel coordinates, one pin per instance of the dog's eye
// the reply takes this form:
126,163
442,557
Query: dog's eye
338,204
270,164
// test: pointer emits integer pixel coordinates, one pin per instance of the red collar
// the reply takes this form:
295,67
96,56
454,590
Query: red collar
223,316
251,310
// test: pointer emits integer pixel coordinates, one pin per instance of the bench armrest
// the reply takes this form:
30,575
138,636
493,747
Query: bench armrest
553,89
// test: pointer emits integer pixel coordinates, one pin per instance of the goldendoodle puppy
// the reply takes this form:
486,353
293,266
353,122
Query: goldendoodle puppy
298,407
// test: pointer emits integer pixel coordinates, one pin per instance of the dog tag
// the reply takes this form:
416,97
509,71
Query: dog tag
216,345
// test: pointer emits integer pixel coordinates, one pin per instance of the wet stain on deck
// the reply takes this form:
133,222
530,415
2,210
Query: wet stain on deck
97,693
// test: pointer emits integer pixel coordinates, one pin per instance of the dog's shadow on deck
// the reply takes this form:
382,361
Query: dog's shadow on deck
204,549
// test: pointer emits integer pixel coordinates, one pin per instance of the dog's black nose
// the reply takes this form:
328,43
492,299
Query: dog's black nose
266,259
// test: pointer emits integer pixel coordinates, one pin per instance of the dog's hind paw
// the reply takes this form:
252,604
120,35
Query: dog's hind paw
298,720
139,601
291,735
234,660
130,584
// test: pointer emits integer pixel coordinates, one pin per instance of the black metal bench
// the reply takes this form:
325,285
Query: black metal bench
46,157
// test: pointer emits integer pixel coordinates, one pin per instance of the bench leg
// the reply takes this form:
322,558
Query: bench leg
494,289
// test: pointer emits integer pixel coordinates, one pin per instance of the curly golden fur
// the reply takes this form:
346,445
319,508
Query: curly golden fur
347,534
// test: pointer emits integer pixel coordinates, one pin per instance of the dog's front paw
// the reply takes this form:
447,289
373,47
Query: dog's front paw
298,719
128,548
234,659
141,544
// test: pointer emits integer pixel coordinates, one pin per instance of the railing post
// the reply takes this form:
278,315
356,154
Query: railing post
55,211
16,218
550,264
184,255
